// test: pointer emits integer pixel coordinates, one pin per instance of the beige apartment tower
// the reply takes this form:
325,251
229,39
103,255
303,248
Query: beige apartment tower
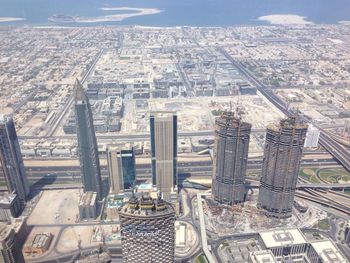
163,127
121,169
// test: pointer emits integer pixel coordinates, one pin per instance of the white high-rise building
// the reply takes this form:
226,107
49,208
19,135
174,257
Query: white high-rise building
312,137
163,127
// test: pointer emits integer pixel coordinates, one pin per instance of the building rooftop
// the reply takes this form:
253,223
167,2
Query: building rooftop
232,120
147,206
7,198
5,231
41,240
328,252
163,114
278,238
264,256
115,201
88,198
289,123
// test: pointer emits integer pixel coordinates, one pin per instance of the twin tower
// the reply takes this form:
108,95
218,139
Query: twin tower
280,167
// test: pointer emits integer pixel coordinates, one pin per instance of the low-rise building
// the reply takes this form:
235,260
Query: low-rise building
263,256
10,207
88,206
290,245
38,244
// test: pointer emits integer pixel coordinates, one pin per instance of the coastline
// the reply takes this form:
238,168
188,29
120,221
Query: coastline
118,17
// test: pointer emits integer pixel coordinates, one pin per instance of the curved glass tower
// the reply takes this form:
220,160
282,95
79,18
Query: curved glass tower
87,144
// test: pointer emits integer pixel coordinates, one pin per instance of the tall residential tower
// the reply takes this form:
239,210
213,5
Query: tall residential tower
87,144
11,160
231,156
164,150
282,155
121,169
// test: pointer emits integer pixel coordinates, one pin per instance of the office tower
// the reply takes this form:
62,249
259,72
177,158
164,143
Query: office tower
121,169
87,144
280,168
11,160
147,230
164,150
231,156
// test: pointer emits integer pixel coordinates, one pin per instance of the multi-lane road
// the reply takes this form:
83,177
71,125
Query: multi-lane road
51,173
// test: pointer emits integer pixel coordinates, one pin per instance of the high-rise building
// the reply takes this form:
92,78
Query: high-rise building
11,160
87,144
121,169
312,137
147,230
282,155
164,150
231,157
10,246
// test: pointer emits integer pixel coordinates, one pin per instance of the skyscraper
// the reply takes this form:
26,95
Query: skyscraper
280,168
164,150
87,144
147,231
121,169
231,156
11,160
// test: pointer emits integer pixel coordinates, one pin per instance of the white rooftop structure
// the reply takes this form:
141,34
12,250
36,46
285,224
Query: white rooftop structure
263,256
281,238
327,251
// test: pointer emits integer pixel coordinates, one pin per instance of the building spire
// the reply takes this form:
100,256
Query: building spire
79,92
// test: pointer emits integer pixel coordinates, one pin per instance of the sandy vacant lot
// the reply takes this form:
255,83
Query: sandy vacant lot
70,238
56,207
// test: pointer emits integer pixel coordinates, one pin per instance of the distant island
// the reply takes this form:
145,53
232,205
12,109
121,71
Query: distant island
10,19
278,19
106,18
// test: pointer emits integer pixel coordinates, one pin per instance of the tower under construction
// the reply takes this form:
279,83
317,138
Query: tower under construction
231,156
282,155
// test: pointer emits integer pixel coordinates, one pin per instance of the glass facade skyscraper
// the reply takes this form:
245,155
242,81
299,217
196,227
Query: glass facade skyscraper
87,144
11,160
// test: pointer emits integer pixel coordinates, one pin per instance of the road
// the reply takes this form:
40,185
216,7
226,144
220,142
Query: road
55,174
69,103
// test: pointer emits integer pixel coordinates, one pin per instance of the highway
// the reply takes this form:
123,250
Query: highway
48,175
319,199
203,231
69,103
133,137
333,147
